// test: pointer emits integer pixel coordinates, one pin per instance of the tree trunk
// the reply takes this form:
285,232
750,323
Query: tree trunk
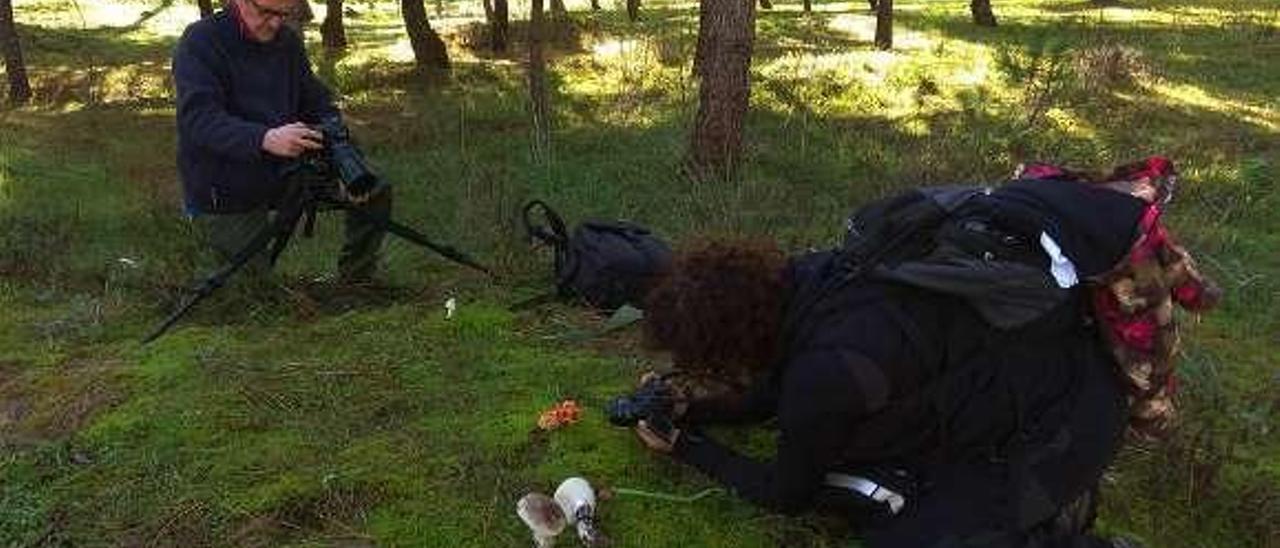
872,4
884,24
766,5
19,87
499,25
633,9
301,16
206,7
982,14
333,33
726,31
539,102
808,6
558,11
595,5
428,49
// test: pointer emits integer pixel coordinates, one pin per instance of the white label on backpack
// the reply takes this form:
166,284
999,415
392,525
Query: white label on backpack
1063,270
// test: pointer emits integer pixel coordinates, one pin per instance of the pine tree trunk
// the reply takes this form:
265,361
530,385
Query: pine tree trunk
808,6
558,11
301,16
884,24
19,87
982,14
726,32
539,102
333,32
428,49
633,9
499,26
206,7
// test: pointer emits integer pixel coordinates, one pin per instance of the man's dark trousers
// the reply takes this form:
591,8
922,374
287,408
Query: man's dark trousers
228,233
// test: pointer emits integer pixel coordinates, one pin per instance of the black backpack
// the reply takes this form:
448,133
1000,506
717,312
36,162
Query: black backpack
957,241
605,263
954,240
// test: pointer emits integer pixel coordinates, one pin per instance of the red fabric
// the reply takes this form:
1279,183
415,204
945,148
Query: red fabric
1132,302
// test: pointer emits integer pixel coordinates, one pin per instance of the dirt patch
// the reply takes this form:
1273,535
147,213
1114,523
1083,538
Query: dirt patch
338,514
9,370
14,405
49,404
188,523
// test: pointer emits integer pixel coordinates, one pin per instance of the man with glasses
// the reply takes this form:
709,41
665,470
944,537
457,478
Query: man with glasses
245,96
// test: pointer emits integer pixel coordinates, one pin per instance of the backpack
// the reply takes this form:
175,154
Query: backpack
949,239
605,263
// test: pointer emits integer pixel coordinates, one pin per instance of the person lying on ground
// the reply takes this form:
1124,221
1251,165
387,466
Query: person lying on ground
911,408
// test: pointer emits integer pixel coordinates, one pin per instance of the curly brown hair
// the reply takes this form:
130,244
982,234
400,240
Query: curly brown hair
720,307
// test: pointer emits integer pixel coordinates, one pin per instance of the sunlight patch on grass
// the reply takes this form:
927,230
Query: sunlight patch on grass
614,48
164,20
400,51
1184,94
1075,126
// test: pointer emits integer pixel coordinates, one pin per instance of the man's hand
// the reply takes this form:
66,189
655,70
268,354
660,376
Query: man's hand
660,438
291,140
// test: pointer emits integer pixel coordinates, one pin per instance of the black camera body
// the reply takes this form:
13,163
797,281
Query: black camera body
340,158
653,402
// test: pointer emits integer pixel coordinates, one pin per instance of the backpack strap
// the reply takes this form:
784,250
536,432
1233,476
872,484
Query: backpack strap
556,234
893,223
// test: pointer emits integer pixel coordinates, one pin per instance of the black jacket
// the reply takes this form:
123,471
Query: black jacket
230,91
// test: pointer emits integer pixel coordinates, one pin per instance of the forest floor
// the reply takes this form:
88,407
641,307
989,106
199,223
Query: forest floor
313,417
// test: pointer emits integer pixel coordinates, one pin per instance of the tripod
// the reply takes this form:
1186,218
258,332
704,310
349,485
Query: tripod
302,198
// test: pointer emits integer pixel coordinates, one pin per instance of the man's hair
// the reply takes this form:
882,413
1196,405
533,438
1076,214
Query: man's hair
720,307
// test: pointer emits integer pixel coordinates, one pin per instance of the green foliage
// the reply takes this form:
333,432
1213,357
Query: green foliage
309,417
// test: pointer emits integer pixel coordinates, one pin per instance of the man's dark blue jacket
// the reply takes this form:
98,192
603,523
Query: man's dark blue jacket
231,90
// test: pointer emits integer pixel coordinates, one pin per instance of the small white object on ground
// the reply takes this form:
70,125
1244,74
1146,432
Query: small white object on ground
578,502
450,306
543,516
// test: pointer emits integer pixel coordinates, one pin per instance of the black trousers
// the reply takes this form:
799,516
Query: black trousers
1022,501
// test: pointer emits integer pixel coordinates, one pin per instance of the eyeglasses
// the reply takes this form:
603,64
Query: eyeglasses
270,12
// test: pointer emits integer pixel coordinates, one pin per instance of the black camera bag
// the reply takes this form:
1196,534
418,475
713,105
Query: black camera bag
605,263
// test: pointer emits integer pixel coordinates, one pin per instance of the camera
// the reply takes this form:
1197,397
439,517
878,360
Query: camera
343,159
653,402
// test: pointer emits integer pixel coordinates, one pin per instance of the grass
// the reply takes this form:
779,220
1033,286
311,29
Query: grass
314,419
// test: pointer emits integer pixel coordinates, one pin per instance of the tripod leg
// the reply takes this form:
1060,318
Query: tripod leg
365,232
252,248
228,233
298,202
411,235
